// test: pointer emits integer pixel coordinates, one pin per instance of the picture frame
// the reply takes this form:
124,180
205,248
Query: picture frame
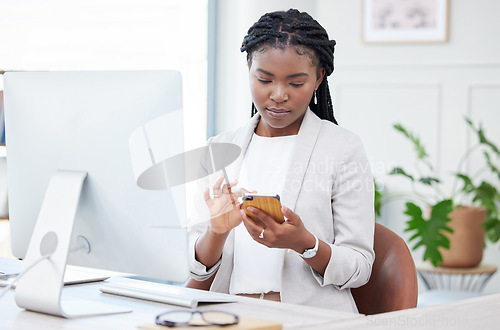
408,21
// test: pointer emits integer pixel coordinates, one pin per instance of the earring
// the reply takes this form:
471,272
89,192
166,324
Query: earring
315,99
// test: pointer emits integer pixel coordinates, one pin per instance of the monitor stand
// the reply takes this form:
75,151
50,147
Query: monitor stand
40,288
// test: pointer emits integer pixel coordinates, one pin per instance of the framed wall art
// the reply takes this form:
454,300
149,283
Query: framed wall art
392,21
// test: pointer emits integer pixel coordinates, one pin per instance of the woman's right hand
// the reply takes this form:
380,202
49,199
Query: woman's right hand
224,206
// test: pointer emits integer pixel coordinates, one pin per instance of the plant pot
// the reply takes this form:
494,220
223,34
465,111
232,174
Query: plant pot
467,239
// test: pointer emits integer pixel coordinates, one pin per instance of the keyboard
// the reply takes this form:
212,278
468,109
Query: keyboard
163,293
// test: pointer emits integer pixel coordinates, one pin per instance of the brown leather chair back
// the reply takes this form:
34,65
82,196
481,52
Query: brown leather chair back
393,282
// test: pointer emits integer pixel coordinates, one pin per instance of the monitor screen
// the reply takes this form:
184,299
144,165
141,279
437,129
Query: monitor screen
82,121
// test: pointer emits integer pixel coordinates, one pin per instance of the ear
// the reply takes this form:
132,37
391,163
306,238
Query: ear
320,77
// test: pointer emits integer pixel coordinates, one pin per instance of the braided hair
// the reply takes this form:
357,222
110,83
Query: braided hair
281,29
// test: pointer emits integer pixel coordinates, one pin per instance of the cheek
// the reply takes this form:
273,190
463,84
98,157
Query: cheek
259,93
305,95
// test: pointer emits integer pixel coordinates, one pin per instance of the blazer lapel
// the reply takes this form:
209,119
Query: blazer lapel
300,158
242,139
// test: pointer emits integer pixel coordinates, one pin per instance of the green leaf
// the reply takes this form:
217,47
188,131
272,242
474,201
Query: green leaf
429,180
429,233
400,171
378,200
486,195
492,226
468,185
482,137
492,167
419,148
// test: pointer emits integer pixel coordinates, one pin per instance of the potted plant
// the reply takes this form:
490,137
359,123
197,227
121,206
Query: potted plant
431,210
378,200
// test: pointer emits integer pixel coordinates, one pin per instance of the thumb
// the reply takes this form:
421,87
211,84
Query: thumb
291,216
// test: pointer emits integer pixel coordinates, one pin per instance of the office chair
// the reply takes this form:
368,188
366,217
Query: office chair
393,282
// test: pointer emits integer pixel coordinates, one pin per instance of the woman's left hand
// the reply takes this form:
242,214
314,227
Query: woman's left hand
290,234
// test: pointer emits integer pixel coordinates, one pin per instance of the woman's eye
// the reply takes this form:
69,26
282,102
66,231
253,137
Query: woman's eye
297,84
264,81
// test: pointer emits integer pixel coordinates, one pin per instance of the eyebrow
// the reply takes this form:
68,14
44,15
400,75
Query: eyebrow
301,74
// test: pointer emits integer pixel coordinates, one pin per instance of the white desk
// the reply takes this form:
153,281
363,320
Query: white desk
477,313
144,312
482,313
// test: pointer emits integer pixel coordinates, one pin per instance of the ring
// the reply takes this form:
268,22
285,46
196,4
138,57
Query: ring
262,234
217,195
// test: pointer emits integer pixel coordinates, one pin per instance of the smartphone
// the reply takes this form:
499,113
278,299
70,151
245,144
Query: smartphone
268,203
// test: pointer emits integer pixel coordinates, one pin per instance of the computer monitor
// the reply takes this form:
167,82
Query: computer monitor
82,121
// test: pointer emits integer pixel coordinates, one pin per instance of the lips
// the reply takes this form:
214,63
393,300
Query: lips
277,113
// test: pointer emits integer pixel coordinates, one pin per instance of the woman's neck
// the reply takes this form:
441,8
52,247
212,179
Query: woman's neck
265,130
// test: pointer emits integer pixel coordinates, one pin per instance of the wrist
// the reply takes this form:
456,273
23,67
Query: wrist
214,232
307,243
311,253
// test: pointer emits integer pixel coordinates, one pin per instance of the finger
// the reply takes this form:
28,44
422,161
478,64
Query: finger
268,221
218,183
245,191
208,200
291,216
237,193
227,183
227,188
240,192
253,229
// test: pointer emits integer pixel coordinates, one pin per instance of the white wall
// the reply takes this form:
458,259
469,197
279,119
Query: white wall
112,35
426,87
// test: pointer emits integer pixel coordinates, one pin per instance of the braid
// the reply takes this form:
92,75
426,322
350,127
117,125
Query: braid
280,29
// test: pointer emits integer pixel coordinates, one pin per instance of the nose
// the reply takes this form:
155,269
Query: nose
279,94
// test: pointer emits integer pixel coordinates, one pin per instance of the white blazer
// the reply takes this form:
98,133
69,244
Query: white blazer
330,186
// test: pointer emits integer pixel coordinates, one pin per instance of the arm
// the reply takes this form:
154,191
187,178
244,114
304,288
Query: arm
200,285
353,220
291,234
208,248
209,240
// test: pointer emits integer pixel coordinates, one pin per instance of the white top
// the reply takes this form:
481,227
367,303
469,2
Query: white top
257,268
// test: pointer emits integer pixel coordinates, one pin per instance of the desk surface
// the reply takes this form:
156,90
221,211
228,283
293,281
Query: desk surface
476,313
144,312
481,313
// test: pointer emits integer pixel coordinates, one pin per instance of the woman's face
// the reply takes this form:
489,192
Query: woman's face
282,83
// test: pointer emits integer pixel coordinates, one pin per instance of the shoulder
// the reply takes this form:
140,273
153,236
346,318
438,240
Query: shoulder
339,145
338,136
238,136
228,136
